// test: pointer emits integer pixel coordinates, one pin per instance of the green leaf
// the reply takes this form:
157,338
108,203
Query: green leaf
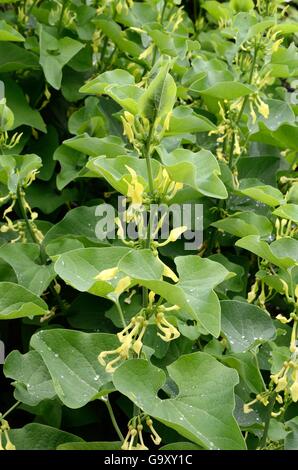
194,291
14,169
54,54
196,412
242,224
80,267
245,325
234,284
287,211
199,170
141,264
8,33
45,146
110,146
217,10
185,120
36,436
72,165
197,279
23,113
280,113
286,27
13,57
274,253
119,37
127,96
18,302
24,258
261,192
43,195
159,98
246,364
90,446
222,90
78,224
33,382
119,85
180,446
291,440
102,82
71,359
115,171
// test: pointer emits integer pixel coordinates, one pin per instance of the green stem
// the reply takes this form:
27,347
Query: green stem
103,51
136,410
267,422
59,27
243,105
195,12
113,419
147,156
108,62
120,311
10,410
161,22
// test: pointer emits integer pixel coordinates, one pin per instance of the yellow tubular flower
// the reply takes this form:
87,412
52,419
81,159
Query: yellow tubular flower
294,386
168,331
283,319
167,272
122,285
281,384
137,346
141,446
247,406
263,398
154,436
293,347
252,113
9,444
151,297
127,437
107,274
135,189
275,415
133,434
263,107
4,429
175,233
146,53
127,130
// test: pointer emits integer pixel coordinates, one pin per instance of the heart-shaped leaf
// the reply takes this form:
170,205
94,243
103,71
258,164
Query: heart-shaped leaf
196,412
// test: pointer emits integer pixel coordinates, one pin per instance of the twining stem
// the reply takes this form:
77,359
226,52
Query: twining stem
10,410
103,51
147,156
161,22
267,421
243,104
59,27
113,419
121,314
24,215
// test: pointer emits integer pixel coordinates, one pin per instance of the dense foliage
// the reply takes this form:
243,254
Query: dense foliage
146,342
